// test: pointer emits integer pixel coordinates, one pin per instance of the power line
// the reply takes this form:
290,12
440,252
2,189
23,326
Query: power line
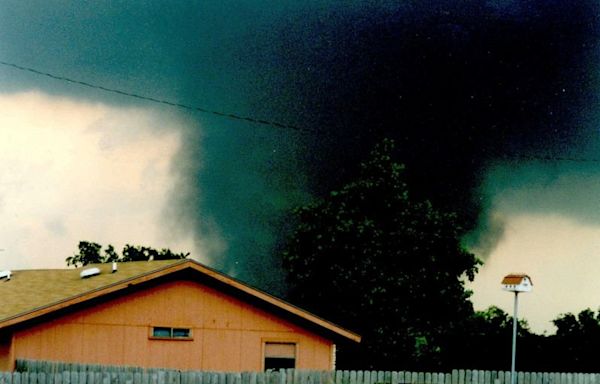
251,119
158,101
544,158
560,158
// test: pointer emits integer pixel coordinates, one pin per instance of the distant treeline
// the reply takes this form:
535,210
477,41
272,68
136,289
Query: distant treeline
91,253
486,344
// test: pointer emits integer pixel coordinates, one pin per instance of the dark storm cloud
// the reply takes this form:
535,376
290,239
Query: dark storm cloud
455,84
569,189
237,180
458,85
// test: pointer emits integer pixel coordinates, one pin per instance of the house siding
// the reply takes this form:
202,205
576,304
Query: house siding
6,351
227,333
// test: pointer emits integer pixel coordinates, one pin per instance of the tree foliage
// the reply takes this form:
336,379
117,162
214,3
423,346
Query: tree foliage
91,253
486,343
578,337
371,258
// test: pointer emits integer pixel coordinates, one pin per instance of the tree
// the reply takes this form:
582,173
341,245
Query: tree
578,337
369,257
138,253
487,343
90,253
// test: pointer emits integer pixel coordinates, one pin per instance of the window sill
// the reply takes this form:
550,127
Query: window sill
171,338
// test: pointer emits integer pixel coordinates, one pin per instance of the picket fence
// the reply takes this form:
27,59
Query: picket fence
34,372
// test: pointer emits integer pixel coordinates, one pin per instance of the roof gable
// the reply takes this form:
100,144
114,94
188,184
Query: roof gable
35,293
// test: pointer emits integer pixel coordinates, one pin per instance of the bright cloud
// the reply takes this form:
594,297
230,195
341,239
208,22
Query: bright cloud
80,171
561,256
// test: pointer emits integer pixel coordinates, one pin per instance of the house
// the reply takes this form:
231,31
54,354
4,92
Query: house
176,314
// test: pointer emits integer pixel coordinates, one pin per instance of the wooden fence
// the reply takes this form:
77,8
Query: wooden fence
33,372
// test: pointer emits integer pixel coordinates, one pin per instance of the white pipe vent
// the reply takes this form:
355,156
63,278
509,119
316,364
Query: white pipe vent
5,275
89,272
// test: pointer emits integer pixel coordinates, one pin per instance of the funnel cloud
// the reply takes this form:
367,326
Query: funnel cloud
492,104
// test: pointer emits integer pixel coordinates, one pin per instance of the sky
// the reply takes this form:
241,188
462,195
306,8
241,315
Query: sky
493,105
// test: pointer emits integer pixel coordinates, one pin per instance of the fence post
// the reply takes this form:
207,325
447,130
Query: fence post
345,377
374,375
533,378
352,377
366,377
414,378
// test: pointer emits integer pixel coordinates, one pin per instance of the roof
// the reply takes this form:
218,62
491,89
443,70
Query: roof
35,293
515,279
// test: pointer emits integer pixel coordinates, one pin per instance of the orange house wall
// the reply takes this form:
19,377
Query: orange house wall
6,352
228,334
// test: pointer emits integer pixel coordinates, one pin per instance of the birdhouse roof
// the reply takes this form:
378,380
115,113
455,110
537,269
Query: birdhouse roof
515,279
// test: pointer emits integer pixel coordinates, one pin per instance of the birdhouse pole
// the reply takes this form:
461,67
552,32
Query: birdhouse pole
513,373
516,282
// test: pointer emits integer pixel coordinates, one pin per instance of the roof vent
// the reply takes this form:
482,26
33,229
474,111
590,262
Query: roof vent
89,272
5,274
114,267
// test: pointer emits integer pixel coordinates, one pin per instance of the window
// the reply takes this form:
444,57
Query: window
181,332
161,332
171,333
280,355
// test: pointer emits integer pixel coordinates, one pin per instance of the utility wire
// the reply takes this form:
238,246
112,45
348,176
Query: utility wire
159,101
548,158
251,119
560,158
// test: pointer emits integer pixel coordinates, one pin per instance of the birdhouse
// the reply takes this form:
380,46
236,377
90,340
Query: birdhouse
517,282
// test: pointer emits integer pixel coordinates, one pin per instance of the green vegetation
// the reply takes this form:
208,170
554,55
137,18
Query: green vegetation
376,261
91,253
